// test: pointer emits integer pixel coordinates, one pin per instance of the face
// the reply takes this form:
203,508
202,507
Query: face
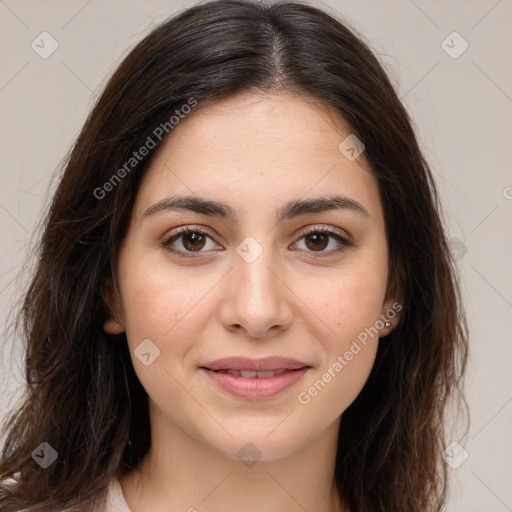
255,276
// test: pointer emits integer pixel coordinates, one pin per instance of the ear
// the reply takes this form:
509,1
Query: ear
393,303
115,322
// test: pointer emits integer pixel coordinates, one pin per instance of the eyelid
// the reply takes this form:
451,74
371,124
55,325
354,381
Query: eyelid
323,228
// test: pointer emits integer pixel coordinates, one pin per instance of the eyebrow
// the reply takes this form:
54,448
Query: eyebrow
289,211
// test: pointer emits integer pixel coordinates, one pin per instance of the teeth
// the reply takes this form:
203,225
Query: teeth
265,374
249,374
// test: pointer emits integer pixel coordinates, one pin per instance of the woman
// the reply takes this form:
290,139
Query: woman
244,295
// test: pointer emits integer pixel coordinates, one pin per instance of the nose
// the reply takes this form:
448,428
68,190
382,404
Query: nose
256,300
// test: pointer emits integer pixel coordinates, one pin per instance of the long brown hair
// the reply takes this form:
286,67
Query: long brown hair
82,395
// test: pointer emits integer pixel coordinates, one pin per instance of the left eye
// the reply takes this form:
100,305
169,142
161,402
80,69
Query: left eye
194,240
318,240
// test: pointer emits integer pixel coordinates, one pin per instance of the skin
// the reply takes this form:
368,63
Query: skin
255,153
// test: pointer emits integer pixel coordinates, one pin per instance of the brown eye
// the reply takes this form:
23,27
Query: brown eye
317,241
188,241
193,241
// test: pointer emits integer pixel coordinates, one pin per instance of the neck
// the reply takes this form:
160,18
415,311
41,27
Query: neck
180,474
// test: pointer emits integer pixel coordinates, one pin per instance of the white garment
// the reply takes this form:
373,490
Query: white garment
115,499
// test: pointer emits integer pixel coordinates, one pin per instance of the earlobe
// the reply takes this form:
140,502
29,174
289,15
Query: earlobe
387,327
390,316
392,306
112,326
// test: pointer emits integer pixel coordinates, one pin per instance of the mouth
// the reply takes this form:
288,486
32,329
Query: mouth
251,374
263,365
255,379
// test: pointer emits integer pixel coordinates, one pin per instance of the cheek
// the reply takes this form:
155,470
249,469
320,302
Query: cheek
348,310
345,302
165,308
169,308
349,352
356,320
157,301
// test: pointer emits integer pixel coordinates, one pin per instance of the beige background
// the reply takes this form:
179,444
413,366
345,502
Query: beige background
461,108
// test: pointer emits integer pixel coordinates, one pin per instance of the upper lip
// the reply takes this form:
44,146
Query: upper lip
260,365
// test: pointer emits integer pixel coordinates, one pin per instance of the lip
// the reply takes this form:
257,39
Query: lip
255,388
264,364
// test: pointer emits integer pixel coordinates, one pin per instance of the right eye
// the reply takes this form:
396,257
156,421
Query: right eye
193,240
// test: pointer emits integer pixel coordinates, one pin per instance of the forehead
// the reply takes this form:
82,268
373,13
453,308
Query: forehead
259,148
280,119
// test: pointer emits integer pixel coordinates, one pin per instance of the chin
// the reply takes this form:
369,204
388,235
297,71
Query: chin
256,445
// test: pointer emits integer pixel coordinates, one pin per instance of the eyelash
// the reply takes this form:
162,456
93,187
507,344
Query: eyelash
345,243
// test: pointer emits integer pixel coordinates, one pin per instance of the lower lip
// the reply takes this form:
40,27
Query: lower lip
255,388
